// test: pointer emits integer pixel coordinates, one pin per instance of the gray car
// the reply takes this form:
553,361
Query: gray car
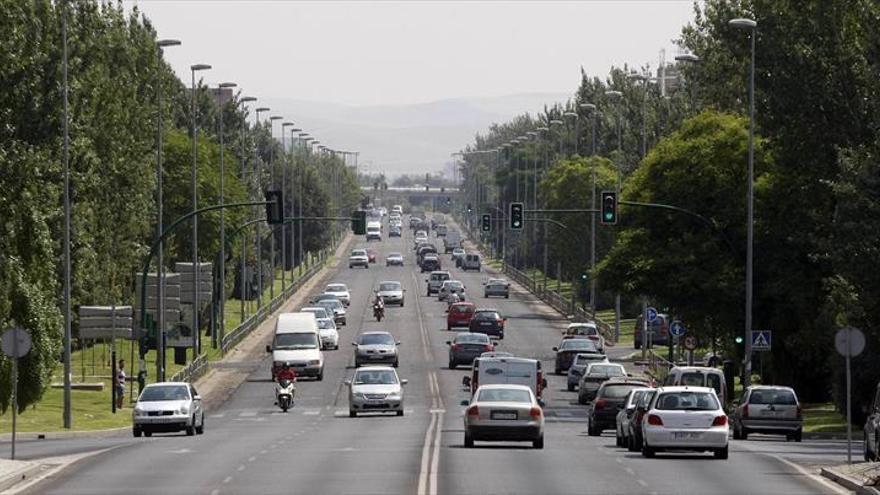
467,346
375,389
391,292
376,348
497,287
336,306
579,365
768,409
595,376
435,280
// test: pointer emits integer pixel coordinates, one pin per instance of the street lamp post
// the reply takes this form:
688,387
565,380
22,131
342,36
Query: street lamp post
589,107
644,79
284,257
65,151
242,287
160,263
689,58
302,178
222,268
577,129
257,231
558,123
752,27
293,194
195,206
617,96
272,182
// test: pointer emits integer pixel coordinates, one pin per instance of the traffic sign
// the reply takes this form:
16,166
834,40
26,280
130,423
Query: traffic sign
15,342
651,314
676,328
849,341
690,342
761,340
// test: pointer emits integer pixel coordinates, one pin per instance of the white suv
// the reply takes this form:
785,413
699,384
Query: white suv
358,257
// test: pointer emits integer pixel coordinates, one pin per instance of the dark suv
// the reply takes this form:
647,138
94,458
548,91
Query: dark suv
488,321
872,429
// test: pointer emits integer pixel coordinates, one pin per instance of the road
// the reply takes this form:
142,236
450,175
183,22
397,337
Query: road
250,446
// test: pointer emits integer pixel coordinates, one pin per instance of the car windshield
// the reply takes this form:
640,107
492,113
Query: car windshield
389,286
582,330
165,392
687,401
375,377
577,345
504,395
617,391
438,277
607,370
693,379
472,338
376,339
330,303
453,284
336,288
295,341
358,252
325,323
394,255
780,397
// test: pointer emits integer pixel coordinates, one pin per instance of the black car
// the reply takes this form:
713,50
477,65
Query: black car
568,349
466,346
609,401
488,321
430,263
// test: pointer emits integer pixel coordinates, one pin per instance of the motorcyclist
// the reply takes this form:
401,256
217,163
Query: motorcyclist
452,298
378,305
286,373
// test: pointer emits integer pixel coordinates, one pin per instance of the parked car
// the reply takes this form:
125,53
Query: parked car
626,413
609,401
568,349
459,315
467,346
579,366
488,321
451,286
699,376
168,407
595,375
504,413
658,332
872,428
394,259
340,291
435,280
391,292
768,409
685,418
471,262
587,330
375,348
375,389
358,257
497,287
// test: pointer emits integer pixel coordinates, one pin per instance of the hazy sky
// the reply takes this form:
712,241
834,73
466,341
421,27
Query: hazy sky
370,52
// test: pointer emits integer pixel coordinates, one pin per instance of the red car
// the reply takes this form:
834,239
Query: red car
371,255
459,315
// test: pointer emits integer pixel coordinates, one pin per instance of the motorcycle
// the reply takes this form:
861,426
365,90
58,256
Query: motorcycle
284,392
378,312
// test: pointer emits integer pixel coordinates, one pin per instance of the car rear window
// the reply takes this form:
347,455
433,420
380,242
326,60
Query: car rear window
577,345
472,338
439,276
692,379
389,286
583,359
487,315
504,395
376,339
463,308
607,369
617,391
687,401
780,397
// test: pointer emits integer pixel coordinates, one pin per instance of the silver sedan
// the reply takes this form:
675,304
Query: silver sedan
504,413
375,389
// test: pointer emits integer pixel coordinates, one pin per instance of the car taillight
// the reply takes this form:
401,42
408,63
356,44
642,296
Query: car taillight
473,411
600,404
800,412
456,347
535,412
746,411
720,421
488,348
654,420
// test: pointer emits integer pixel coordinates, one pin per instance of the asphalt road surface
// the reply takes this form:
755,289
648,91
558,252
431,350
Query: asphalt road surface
250,446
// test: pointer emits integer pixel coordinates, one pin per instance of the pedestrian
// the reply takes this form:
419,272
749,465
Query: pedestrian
120,384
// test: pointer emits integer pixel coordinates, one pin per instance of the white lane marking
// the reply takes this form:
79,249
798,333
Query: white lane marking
422,331
215,491
217,416
426,452
252,458
642,482
435,411
241,468
815,477
227,479
435,460
630,471
311,412
263,452
247,414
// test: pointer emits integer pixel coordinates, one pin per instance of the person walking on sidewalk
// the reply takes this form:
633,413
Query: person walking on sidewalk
120,384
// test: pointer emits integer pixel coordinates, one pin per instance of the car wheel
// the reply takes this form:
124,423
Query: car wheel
798,436
506,296
201,428
582,399
352,413
148,433
400,413
570,387
191,430
320,376
468,441
137,434
631,444
396,363
736,434
452,365
743,433
539,443
648,451
620,442
592,431
485,296
721,453
868,455
558,371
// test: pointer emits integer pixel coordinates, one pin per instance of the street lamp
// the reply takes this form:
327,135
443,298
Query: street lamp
751,26
293,183
160,262
644,79
687,57
577,130
242,287
617,96
284,256
257,231
195,205
222,267
272,167
591,108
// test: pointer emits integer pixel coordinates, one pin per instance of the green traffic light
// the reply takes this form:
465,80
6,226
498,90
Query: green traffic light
739,340
609,216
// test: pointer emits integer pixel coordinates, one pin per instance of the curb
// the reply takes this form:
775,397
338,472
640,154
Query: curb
64,435
22,475
858,436
848,482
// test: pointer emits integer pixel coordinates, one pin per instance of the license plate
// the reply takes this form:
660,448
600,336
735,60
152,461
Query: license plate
376,356
680,435
485,324
508,415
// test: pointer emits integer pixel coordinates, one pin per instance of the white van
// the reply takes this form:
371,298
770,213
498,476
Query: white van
451,241
698,376
298,344
374,231
506,370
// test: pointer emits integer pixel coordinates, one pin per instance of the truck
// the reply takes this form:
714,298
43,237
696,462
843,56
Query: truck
451,241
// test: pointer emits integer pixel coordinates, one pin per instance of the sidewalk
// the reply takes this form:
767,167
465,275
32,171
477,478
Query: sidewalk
15,472
862,478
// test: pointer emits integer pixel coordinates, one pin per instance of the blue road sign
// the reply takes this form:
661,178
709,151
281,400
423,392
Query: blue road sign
651,313
761,340
676,328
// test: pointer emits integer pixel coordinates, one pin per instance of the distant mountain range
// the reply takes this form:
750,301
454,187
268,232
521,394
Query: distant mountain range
416,138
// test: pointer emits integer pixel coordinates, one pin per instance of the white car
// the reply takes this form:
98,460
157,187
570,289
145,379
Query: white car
168,407
375,389
340,291
328,333
504,413
685,418
394,259
588,330
320,312
391,292
358,257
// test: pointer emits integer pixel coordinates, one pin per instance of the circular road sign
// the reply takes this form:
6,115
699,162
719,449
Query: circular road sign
855,339
690,342
15,342
651,314
676,328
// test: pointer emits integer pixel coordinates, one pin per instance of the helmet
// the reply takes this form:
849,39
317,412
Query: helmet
286,365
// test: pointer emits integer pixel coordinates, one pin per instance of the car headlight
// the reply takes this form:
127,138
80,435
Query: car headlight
393,396
358,395
139,412
314,362
183,410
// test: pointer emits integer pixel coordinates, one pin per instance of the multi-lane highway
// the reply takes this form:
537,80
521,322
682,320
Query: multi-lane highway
250,446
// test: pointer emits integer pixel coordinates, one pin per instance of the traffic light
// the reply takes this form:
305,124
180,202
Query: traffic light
609,208
359,222
469,208
516,216
486,222
274,207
